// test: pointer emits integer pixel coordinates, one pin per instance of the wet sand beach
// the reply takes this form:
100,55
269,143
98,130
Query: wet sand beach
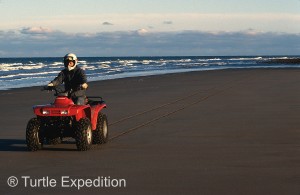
211,132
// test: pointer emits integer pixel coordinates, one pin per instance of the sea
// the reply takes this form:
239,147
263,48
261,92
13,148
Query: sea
27,72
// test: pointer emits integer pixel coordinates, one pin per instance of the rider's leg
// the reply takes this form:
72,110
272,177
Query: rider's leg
79,101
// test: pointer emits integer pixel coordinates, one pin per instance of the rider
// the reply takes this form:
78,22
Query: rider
74,79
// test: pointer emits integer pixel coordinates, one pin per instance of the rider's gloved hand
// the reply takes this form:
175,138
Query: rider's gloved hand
84,86
50,85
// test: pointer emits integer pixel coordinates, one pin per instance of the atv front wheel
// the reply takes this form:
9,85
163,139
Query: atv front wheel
83,134
100,135
34,139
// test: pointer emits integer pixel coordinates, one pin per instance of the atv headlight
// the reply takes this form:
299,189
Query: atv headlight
64,112
45,112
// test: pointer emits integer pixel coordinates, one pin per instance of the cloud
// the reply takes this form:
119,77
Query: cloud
167,22
35,30
141,42
142,32
107,23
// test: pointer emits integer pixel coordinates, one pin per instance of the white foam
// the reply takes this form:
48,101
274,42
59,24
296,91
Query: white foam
9,67
145,62
86,67
56,63
82,62
28,74
105,66
240,59
210,59
104,62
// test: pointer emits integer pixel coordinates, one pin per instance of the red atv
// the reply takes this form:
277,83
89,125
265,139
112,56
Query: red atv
85,123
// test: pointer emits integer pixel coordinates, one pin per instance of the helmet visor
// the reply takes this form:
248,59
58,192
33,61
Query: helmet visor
67,61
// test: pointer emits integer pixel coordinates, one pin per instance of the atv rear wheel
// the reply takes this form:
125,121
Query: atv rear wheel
34,138
83,134
100,135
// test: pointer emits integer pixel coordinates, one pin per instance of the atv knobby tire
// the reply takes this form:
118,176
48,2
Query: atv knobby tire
83,134
33,136
100,134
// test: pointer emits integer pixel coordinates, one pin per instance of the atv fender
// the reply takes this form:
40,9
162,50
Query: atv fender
95,111
83,112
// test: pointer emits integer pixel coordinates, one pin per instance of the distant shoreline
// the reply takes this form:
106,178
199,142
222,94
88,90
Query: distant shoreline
283,61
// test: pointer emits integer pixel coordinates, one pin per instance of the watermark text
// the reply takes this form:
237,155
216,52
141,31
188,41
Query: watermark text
66,182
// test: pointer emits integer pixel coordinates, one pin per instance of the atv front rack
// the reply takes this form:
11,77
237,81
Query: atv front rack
95,102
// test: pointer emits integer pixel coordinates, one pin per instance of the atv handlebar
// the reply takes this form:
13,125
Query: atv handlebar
59,91
47,88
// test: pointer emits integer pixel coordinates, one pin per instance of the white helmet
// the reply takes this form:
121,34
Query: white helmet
70,57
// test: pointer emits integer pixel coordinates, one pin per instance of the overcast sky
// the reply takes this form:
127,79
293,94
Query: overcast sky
32,28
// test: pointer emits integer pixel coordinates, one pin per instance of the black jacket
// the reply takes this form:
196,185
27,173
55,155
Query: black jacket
72,80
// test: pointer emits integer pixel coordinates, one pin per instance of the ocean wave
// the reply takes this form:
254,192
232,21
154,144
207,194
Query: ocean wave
16,72
28,74
86,67
57,63
247,58
103,62
104,66
210,59
10,67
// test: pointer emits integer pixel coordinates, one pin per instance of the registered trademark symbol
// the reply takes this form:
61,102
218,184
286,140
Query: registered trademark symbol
12,181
